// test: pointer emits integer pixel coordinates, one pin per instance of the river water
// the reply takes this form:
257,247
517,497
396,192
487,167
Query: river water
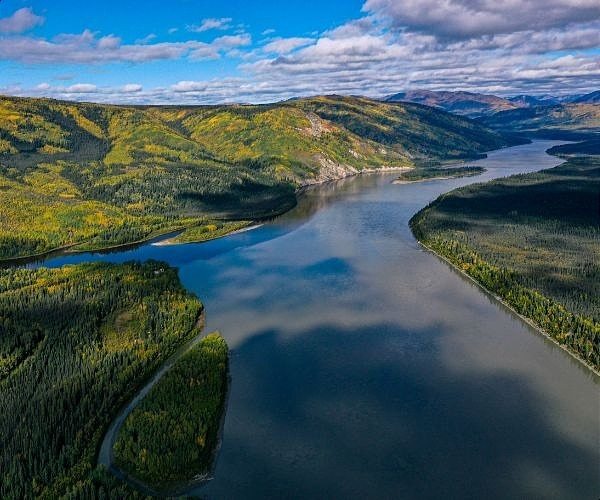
363,366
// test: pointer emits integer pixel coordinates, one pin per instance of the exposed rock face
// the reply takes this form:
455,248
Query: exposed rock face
330,171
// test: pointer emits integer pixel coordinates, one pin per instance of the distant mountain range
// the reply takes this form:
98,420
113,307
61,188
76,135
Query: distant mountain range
475,105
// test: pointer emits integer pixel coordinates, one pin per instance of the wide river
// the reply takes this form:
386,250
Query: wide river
364,367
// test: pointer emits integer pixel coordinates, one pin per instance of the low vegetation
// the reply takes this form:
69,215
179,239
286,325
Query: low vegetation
170,437
90,176
533,240
75,344
422,174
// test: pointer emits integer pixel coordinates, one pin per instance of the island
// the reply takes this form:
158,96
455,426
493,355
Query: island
437,173
170,438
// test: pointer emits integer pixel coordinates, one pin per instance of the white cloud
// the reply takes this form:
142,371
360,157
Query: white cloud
222,23
82,88
189,86
86,48
22,20
286,45
147,39
131,87
229,41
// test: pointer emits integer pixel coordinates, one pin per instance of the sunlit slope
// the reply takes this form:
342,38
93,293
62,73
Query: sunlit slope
90,176
417,131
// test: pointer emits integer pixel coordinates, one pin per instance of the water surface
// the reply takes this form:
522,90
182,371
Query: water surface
363,366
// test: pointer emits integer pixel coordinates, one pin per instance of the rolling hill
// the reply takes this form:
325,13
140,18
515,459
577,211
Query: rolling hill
89,176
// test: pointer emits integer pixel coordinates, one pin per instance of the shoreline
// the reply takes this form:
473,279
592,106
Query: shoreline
252,225
499,299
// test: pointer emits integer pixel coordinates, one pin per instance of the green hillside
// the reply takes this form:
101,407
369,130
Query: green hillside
90,176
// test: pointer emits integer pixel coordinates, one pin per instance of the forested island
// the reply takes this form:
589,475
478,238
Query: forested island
84,176
169,439
425,174
76,343
534,241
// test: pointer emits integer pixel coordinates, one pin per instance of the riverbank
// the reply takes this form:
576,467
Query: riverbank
501,300
524,239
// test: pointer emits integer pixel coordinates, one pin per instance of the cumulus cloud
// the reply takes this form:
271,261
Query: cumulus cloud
473,18
212,23
388,50
22,20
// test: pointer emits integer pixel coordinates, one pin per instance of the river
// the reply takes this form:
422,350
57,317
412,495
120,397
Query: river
363,366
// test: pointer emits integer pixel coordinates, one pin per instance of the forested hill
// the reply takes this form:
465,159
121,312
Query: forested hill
90,176
566,121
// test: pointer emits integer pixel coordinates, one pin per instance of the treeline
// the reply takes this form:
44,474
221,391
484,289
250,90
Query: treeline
534,240
75,344
170,437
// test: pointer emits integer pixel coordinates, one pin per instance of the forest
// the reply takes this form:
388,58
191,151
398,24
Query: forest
87,176
75,344
170,437
534,240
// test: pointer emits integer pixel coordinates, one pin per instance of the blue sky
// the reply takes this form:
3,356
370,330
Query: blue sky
189,51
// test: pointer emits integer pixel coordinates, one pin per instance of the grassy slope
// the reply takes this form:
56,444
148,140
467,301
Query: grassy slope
103,175
75,343
534,240
170,437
